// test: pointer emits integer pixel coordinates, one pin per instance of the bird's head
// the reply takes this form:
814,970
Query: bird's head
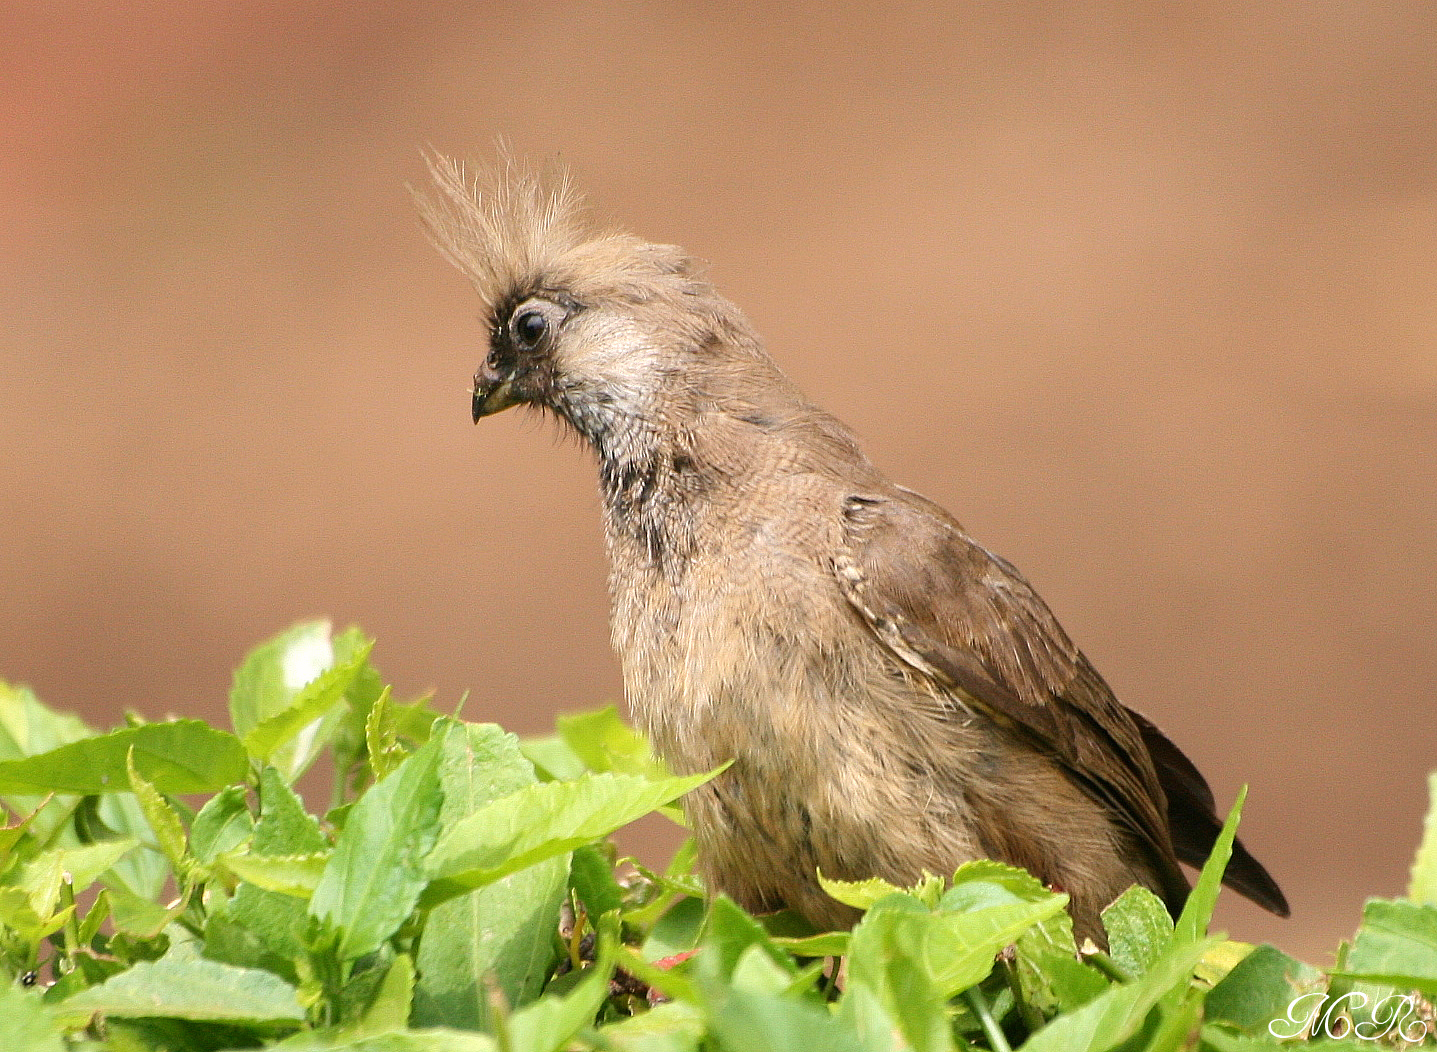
596,326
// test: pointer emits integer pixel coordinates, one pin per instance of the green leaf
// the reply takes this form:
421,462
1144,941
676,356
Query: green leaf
272,673
313,701
547,1024
263,928
115,816
1140,929
377,871
730,932
29,728
863,894
591,874
284,826
1192,925
542,821
747,1021
41,876
10,836
142,918
1049,972
294,875
168,829
897,955
381,740
267,685
26,1025
399,1041
178,756
1422,889
1396,945
824,944
677,930
672,1026
605,743
954,950
17,912
1115,1016
223,824
553,759
1260,989
181,986
390,1008
503,933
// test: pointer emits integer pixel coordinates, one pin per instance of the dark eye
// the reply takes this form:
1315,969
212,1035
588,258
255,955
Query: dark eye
529,329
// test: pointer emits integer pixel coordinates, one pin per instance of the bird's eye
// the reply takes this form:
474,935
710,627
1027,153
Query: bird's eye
529,329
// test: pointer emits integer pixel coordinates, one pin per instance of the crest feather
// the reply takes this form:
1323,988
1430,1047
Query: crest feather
507,225
516,228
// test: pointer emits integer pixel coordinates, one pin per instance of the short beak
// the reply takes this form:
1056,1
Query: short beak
492,397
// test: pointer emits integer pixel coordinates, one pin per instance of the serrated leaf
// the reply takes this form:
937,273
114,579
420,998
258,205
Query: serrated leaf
860,894
259,928
1192,925
187,987
1422,888
1115,1016
284,826
1396,945
293,875
274,672
310,704
541,821
503,933
178,756
223,824
164,823
377,871
1140,929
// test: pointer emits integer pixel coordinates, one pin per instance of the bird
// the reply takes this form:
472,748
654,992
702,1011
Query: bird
892,698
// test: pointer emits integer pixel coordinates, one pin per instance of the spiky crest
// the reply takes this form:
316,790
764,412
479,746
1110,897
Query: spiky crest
514,229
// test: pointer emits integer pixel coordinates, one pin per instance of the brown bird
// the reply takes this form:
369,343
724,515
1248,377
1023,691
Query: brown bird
894,697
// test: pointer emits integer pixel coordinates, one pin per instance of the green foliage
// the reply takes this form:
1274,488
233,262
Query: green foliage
460,895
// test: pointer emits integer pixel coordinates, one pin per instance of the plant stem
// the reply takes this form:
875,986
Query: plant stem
1032,1018
979,1004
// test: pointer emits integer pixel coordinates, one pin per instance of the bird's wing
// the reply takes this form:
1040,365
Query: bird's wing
966,618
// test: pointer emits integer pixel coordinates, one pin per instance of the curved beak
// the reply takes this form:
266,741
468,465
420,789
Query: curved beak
492,396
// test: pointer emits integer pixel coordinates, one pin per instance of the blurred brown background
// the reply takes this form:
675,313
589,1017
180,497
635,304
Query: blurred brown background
1146,296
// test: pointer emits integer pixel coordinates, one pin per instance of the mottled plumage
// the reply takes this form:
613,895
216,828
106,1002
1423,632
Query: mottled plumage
894,697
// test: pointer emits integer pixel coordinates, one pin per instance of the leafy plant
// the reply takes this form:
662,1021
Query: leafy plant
164,886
